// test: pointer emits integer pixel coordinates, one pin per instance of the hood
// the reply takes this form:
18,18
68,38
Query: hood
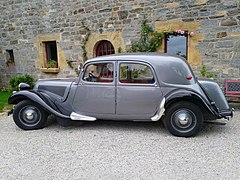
56,86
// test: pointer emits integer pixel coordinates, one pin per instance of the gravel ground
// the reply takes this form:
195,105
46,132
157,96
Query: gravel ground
118,150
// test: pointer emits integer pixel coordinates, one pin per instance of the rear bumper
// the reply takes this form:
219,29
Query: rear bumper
227,114
223,118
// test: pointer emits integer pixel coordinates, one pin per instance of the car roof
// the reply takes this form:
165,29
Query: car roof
153,58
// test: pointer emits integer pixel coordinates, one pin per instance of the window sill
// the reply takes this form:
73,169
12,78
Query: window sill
50,70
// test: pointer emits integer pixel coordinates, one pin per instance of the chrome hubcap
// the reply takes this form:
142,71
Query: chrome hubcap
29,115
183,120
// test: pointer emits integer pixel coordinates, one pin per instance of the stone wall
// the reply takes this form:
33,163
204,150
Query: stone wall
23,21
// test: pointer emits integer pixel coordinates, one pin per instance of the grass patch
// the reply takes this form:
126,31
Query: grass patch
4,106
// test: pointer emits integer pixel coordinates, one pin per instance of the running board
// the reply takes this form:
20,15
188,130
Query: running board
78,117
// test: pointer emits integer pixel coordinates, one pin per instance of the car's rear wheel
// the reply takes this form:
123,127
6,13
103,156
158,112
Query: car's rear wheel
29,116
183,119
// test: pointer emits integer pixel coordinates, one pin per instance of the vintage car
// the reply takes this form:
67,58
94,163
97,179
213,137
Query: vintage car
132,87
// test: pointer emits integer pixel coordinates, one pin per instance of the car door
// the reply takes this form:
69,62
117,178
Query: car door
95,93
138,92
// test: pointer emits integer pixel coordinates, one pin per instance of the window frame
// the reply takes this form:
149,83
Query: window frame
10,55
46,50
97,83
137,84
187,39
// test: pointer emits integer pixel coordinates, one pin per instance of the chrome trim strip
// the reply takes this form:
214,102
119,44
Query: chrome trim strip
160,111
78,117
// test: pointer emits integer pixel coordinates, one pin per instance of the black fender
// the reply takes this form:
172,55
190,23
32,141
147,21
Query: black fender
192,96
36,98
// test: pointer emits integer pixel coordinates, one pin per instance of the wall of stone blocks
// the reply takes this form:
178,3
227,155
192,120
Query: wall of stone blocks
21,21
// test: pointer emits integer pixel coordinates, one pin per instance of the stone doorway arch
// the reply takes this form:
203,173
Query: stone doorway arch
114,37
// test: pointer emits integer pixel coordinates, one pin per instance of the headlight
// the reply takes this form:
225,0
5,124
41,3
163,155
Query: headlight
23,86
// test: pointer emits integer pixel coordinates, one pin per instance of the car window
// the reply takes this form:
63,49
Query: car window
99,72
136,73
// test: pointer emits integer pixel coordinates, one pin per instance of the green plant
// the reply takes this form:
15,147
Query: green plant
4,101
14,81
85,40
70,63
204,73
9,61
119,50
211,75
52,64
149,39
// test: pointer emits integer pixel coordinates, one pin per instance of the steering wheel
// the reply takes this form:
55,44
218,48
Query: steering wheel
90,76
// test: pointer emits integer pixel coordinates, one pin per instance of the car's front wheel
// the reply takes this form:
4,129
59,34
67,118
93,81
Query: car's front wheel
183,119
29,116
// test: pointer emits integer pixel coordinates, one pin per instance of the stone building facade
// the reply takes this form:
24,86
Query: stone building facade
29,29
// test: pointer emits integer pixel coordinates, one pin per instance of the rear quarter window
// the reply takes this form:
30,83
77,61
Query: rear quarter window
176,73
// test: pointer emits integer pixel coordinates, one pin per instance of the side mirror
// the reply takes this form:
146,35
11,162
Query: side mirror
79,67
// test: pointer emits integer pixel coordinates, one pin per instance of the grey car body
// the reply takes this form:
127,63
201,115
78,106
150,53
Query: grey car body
140,87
